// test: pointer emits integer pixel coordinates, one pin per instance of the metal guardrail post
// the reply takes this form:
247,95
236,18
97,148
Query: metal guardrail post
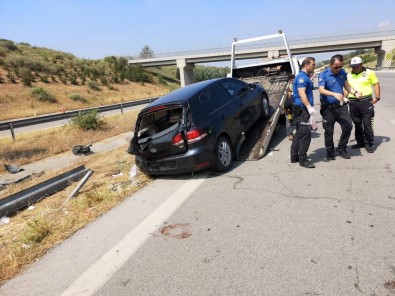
12,132
121,109
80,184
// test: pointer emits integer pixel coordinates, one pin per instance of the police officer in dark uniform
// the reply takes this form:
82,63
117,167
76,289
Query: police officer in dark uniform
332,82
303,101
362,110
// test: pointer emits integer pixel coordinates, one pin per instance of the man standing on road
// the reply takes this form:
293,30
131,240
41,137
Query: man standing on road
362,109
303,102
332,82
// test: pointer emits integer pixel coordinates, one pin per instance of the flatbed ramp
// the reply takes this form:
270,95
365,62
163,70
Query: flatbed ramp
257,139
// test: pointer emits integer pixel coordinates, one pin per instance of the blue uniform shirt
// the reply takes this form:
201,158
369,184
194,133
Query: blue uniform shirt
303,80
333,83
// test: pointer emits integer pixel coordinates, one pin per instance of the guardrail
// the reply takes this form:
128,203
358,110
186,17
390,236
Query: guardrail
11,124
383,68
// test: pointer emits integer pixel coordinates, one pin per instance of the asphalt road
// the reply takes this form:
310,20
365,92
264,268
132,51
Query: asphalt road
266,227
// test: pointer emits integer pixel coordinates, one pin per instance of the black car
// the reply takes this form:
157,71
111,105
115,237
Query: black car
197,126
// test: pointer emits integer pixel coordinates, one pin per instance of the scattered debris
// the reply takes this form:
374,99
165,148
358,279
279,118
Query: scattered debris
13,169
30,208
4,220
118,175
82,150
133,175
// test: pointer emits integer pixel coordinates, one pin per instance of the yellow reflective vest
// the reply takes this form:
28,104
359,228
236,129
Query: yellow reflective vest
362,82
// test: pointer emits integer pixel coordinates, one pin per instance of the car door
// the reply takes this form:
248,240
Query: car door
246,98
224,110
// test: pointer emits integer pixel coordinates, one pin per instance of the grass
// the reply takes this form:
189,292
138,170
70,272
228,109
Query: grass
17,100
34,146
31,233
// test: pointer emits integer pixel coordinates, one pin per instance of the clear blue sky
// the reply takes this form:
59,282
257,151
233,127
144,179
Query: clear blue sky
96,29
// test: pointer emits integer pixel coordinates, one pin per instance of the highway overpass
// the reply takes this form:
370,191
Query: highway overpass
382,41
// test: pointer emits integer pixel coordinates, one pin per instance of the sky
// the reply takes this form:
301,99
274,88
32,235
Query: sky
96,29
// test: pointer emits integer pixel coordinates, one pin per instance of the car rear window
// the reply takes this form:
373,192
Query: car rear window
158,121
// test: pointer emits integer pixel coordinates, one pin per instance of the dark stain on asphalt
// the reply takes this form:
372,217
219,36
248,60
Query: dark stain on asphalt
390,285
178,231
240,179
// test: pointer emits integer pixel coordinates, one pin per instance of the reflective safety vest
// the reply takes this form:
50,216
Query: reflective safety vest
362,82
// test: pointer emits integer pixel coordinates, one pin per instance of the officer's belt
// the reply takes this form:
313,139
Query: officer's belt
334,106
361,99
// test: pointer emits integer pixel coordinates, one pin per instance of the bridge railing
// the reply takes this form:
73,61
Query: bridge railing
292,42
392,68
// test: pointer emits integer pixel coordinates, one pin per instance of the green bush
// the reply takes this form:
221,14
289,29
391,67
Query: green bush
26,76
88,121
42,95
10,45
44,78
93,85
11,76
77,98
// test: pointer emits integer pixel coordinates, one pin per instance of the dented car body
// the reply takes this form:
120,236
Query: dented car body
196,127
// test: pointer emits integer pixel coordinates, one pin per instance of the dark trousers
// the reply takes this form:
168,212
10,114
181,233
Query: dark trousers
362,114
302,139
329,117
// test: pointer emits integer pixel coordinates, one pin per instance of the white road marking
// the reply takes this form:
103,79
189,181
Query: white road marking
103,269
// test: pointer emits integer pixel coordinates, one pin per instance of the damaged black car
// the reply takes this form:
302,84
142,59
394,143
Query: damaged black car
197,127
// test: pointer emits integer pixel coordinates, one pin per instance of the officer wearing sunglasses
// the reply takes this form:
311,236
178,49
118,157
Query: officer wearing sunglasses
331,83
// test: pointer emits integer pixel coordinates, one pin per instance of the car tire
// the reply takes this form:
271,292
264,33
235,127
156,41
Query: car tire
265,107
223,155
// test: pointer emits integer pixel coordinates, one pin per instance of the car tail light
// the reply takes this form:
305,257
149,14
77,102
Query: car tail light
195,135
177,140
192,137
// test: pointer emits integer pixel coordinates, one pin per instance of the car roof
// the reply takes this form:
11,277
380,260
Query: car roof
183,94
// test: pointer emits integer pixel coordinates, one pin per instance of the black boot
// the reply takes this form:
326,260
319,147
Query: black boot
307,164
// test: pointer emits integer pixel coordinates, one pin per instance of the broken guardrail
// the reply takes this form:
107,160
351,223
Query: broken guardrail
27,197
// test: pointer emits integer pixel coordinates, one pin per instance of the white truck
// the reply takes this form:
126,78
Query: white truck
274,75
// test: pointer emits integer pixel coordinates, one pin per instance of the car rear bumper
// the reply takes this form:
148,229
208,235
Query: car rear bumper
193,160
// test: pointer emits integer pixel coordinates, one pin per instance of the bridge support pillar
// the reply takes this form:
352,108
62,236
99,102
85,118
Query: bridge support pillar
186,72
384,56
273,54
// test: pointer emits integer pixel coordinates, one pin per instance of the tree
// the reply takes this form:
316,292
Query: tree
146,52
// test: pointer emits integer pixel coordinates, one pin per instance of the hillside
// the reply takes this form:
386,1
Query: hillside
369,59
35,81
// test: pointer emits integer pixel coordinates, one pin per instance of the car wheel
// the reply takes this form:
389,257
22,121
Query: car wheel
223,155
265,107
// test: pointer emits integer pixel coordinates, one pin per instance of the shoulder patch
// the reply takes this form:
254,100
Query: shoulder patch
301,80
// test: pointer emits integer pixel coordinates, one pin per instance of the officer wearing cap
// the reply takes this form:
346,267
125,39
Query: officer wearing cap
362,109
303,101
331,83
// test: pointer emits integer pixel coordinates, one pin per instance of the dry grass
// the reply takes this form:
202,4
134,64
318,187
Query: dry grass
16,100
31,234
34,146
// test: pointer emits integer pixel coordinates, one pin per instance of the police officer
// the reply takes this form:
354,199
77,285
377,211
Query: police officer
331,84
362,109
303,102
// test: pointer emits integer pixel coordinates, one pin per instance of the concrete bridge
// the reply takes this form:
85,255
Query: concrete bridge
382,41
